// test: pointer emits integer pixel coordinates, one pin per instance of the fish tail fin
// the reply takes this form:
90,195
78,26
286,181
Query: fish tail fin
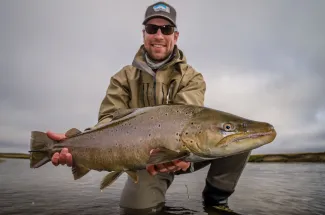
40,146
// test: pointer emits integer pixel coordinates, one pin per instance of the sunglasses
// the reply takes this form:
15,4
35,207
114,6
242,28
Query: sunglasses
165,29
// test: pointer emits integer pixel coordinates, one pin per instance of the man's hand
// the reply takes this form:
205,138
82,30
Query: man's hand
64,157
167,167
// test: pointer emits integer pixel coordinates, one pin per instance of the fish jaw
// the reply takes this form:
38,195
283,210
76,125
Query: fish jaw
242,142
232,145
207,140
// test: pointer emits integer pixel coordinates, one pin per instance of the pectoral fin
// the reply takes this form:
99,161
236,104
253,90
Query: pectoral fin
79,171
109,179
133,175
72,132
165,155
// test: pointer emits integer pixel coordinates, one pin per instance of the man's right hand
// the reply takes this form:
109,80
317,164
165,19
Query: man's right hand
64,157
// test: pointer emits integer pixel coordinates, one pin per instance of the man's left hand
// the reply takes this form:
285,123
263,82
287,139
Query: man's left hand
173,166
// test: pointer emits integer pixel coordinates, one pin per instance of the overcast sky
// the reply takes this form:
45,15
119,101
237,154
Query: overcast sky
262,60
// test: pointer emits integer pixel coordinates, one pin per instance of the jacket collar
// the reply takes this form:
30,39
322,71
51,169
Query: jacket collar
140,62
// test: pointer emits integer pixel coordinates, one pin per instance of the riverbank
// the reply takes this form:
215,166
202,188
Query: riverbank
286,158
262,158
14,155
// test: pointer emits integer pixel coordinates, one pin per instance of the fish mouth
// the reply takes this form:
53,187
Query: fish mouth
254,135
267,137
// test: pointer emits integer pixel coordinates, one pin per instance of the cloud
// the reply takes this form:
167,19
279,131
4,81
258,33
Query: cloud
261,59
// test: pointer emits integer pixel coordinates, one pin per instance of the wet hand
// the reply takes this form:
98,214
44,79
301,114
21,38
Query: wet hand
64,157
173,166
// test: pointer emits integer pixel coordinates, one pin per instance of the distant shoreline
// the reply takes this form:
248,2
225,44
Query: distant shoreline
317,157
14,155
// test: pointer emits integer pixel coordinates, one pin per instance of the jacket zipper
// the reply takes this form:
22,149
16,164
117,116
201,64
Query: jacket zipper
154,89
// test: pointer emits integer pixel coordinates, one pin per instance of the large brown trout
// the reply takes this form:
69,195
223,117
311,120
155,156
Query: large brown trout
184,132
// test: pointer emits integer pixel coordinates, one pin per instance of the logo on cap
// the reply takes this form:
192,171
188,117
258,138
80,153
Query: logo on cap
161,7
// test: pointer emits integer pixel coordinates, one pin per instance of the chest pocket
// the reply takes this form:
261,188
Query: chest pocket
158,90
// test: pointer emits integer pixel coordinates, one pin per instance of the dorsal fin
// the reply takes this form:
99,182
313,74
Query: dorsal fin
122,112
72,132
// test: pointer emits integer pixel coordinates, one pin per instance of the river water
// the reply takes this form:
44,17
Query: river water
269,188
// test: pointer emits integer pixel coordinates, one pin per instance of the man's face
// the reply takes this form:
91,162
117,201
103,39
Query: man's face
158,45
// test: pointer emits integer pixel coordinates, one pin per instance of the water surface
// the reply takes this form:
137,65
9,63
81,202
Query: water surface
263,189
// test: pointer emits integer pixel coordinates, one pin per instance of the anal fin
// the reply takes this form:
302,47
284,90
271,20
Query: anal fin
79,171
133,175
110,178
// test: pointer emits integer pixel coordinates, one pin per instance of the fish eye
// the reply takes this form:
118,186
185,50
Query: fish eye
228,127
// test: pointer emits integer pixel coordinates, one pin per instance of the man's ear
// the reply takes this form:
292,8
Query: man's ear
143,33
176,35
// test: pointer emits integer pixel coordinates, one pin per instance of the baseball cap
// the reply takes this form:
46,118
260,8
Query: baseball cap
162,10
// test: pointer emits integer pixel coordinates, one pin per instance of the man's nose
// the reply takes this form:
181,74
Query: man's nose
159,34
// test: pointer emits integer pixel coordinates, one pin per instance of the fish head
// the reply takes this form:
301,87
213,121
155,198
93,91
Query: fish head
212,134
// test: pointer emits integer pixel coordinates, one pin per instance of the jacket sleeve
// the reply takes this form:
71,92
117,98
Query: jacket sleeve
116,97
193,91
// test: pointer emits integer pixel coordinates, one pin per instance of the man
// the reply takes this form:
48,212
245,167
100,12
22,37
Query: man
159,74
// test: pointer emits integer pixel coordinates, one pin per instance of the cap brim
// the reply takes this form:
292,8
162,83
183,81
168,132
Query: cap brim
158,16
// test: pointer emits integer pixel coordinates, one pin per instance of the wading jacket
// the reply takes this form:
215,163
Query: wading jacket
137,85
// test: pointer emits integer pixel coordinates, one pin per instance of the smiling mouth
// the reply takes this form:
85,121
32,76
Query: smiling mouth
158,45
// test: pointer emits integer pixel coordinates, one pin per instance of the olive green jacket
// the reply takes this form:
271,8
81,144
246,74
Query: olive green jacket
137,85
